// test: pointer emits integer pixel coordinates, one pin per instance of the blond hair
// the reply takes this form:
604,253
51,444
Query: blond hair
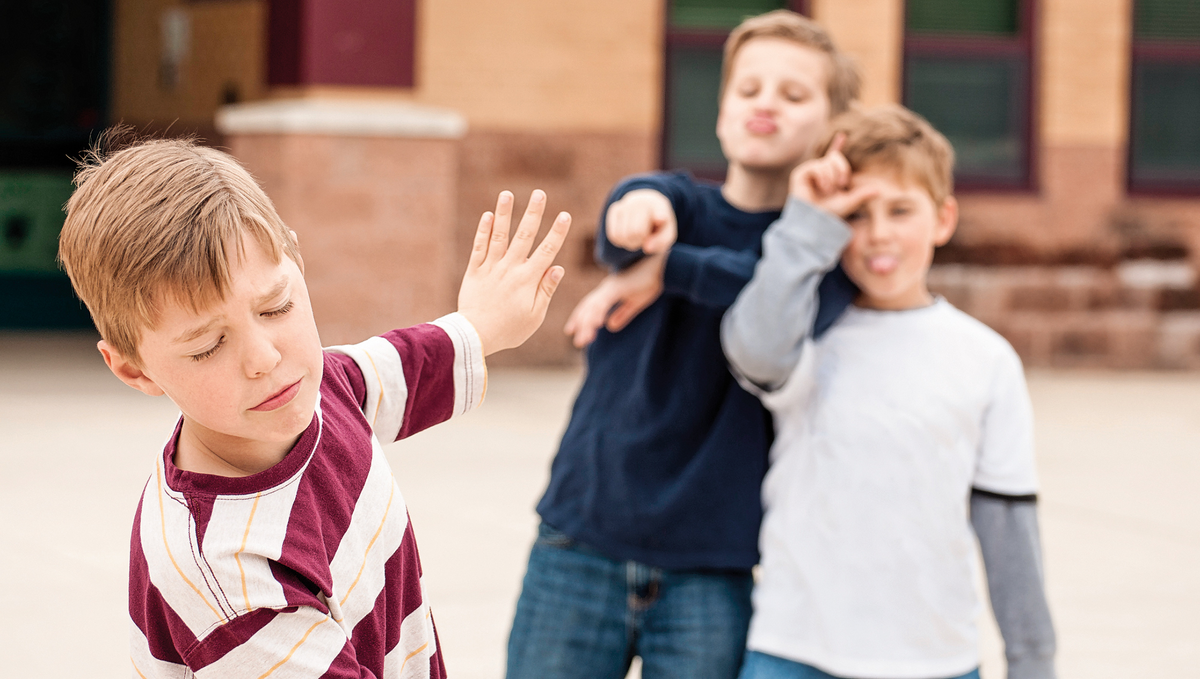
843,82
155,223
894,139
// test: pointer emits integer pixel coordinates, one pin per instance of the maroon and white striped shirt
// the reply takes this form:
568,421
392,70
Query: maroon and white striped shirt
307,569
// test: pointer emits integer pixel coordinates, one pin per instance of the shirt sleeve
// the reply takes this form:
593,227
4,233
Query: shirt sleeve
707,275
763,332
1005,462
417,377
1007,528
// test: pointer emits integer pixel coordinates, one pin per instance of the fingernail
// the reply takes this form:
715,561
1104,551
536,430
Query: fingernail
505,196
539,195
564,217
556,275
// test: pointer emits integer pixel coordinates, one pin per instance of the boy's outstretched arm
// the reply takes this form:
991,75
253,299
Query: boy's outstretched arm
1007,528
506,289
764,330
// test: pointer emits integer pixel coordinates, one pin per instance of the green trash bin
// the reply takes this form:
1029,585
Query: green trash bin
34,292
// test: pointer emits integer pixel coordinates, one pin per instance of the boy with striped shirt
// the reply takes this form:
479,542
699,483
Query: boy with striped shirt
271,539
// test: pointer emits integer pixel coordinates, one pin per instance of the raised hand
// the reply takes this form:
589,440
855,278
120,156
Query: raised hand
642,219
617,300
506,290
825,182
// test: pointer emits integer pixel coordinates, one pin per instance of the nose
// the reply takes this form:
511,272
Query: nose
879,227
766,101
262,354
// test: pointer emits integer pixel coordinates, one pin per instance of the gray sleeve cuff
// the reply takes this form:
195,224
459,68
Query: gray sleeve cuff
764,330
1007,528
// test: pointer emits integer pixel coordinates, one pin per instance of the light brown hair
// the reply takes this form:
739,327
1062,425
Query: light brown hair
892,138
843,80
154,224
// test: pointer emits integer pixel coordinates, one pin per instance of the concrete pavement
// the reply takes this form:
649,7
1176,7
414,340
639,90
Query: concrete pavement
1119,456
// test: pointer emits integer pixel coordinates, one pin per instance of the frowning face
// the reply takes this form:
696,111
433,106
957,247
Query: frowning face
245,372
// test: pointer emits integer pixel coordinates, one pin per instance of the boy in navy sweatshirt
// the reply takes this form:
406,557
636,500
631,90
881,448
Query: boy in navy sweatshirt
651,518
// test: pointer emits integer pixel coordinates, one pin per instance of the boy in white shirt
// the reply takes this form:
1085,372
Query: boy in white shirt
898,431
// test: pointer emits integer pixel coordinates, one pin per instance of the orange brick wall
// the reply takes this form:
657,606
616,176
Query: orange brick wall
375,220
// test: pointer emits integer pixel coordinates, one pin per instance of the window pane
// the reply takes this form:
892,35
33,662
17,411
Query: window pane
691,130
723,14
1166,134
1167,19
31,216
53,87
992,17
979,105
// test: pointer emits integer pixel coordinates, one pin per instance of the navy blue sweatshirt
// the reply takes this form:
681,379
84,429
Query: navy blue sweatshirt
665,454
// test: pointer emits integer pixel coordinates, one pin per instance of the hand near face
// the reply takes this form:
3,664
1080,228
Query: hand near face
825,182
618,299
506,289
642,219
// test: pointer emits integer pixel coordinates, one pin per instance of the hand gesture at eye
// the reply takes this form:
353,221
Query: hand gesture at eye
825,182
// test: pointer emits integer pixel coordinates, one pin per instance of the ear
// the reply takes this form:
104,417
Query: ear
947,221
127,371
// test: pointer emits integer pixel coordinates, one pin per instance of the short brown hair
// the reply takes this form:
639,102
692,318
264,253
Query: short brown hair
154,223
844,81
895,139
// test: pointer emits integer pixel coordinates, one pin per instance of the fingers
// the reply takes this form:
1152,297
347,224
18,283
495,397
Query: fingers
483,236
660,241
498,244
628,310
848,202
588,316
615,224
552,243
838,143
545,290
531,221
663,232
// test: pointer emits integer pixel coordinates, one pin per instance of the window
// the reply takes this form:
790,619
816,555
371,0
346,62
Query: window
1164,139
53,102
696,32
325,42
967,69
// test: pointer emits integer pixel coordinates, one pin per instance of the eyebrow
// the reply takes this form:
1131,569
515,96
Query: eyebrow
199,331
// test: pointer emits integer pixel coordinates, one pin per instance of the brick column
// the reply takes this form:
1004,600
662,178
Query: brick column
371,189
872,31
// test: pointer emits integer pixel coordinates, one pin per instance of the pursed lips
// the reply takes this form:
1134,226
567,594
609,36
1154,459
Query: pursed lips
761,125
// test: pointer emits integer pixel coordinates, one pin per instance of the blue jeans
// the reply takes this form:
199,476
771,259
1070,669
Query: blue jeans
764,666
584,615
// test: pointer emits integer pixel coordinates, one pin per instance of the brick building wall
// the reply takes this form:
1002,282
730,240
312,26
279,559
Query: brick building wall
567,96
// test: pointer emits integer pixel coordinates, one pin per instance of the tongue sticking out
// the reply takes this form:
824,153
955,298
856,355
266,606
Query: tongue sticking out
882,264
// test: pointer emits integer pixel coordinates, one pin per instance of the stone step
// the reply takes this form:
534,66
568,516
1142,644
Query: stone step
1135,315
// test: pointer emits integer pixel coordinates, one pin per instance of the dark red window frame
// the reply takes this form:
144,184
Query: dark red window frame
1023,44
710,39
370,43
1154,51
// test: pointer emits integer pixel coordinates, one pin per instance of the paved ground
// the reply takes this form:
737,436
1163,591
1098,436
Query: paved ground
1119,458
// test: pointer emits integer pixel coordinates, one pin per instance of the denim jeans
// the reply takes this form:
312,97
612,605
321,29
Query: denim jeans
764,666
584,615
